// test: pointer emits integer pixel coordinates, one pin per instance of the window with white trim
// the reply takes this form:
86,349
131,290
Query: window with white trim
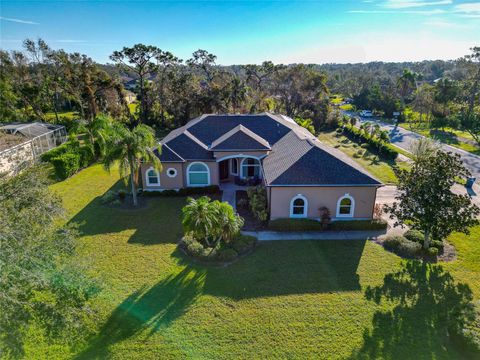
250,168
171,172
153,177
345,206
234,166
298,207
198,174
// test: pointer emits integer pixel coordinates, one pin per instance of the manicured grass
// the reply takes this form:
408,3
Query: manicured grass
298,299
381,169
451,136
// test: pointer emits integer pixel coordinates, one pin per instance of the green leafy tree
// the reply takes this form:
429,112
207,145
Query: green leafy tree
426,200
130,148
42,283
140,59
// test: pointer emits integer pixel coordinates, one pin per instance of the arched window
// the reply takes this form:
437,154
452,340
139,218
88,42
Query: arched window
345,206
153,177
298,207
250,168
198,174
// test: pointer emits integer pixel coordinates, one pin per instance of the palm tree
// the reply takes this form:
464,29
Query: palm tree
130,148
211,221
229,223
383,136
97,132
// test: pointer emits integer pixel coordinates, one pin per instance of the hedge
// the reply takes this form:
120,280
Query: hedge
314,225
66,165
211,189
68,158
375,145
359,225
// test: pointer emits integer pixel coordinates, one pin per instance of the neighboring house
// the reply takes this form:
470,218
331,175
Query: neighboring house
300,173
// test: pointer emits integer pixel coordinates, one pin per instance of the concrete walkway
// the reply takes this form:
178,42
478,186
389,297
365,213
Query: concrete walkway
316,235
229,193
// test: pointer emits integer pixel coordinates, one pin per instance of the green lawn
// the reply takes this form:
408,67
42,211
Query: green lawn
450,136
381,169
301,299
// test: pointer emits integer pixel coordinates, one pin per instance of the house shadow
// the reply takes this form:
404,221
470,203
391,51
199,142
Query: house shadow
155,221
146,310
430,317
289,267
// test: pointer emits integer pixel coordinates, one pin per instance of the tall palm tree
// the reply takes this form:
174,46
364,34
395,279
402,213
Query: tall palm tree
97,132
130,148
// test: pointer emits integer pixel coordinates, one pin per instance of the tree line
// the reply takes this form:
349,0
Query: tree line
41,83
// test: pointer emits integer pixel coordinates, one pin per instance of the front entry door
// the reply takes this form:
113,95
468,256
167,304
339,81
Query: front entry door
223,170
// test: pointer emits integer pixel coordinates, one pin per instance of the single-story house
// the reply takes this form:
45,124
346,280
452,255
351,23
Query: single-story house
300,173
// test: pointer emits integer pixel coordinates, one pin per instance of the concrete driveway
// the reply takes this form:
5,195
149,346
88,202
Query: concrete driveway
386,194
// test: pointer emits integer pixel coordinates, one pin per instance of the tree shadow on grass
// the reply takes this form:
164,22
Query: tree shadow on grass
147,309
429,319
156,223
289,267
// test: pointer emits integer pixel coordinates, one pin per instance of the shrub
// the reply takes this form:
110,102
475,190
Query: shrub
257,198
66,165
401,246
409,248
196,249
372,143
393,242
122,194
211,189
86,156
108,197
295,225
433,251
414,235
375,224
242,203
226,254
437,244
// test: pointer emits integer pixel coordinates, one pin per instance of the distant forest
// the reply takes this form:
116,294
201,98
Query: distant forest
40,83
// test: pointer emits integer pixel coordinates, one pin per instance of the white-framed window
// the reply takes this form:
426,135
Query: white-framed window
250,167
345,206
198,174
153,177
171,172
234,166
298,207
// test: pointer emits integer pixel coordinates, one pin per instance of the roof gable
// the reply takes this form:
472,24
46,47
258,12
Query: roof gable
186,147
211,127
240,138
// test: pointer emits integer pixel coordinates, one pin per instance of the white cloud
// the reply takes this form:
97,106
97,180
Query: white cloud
438,23
20,21
403,4
468,9
414,12
386,47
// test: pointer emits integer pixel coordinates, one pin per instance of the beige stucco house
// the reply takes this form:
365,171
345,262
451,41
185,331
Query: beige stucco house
300,173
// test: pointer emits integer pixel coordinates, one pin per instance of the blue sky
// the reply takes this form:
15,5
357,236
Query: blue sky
240,32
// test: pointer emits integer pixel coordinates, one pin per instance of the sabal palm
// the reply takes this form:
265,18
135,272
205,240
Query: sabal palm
97,132
229,223
130,148
199,218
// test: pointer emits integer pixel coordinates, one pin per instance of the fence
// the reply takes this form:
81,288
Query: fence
21,156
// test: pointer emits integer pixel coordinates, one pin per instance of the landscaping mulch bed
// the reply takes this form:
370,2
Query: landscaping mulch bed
251,222
449,252
127,203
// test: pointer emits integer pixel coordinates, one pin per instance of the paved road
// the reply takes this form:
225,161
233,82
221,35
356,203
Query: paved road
403,138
